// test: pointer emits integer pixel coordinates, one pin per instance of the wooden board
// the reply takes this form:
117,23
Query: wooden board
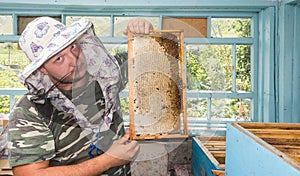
157,88
5,169
24,20
192,27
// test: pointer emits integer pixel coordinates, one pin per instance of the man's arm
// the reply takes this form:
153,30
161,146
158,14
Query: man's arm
120,153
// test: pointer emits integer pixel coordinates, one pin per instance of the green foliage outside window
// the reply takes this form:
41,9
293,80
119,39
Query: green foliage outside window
12,60
209,68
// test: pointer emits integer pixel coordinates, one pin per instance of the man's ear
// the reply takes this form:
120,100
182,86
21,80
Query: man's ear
43,70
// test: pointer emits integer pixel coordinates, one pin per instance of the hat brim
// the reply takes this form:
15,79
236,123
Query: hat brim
74,31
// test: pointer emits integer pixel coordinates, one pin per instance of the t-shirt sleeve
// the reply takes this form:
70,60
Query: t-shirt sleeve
30,139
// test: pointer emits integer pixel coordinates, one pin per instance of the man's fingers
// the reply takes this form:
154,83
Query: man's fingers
142,26
125,138
148,27
138,26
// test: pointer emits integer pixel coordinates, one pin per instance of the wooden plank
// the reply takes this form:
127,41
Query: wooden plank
259,125
294,156
277,135
162,136
211,138
218,153
214,145
4,163
279,141
130,84
5,168
297,159
221,159
287,147
216,148
6,173
272,130
183,84
218,172
214,142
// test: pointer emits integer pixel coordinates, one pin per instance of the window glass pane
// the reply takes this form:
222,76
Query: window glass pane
209,67
12,60
119,51
6,25
116,48
197,108
230,27
125,106
220,109
243,68
231,109
4,104
121,23
101,24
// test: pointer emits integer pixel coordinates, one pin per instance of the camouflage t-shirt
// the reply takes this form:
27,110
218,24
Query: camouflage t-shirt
39,132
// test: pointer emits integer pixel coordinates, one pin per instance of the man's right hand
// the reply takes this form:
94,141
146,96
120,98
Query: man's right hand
122,151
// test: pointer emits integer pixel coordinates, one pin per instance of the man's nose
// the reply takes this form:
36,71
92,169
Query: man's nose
72,59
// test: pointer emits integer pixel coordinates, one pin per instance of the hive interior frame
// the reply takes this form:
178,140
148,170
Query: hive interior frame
169,66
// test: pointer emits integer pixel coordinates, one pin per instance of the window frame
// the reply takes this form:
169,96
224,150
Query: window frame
262,13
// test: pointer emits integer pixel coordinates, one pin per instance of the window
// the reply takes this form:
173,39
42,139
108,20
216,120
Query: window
12,60
217,70
6,25
229,51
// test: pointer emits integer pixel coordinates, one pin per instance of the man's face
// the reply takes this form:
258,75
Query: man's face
67,67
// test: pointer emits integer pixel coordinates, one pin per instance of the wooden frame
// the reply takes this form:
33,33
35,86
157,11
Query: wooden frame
132,125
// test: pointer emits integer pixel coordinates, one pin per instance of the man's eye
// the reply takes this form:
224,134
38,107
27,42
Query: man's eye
59,59
74,46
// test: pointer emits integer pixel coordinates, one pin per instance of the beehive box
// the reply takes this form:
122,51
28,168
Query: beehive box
266,149
208,155
157,88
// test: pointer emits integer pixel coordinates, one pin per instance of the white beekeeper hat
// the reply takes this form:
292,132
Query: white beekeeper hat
44,37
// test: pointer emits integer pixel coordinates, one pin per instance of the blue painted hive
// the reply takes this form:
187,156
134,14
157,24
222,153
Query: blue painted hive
208,155
266,149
